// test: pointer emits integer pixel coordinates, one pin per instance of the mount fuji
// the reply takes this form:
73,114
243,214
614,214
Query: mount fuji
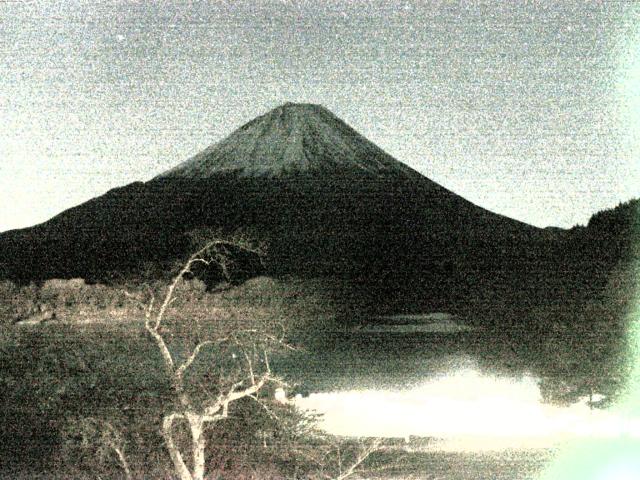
325,200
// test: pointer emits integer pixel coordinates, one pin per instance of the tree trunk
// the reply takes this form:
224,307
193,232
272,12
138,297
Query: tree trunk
198,444
176,457
124,463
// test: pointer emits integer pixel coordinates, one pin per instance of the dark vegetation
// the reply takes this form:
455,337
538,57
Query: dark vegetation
64,380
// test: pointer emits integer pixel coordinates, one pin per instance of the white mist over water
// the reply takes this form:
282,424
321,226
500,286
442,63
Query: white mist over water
468,411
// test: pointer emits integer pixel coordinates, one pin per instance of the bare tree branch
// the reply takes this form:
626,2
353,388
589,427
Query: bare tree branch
360,458
109,438
198,413
182,368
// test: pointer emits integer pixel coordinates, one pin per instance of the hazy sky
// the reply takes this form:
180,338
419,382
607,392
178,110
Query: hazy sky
530,109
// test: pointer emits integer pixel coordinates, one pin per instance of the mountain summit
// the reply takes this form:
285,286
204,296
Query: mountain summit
290,140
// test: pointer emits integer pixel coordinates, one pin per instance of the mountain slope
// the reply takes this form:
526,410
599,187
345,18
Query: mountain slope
326,201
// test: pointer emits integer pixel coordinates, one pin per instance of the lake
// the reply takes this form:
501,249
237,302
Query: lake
436,376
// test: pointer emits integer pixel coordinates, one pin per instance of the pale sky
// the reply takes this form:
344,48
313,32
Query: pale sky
530,108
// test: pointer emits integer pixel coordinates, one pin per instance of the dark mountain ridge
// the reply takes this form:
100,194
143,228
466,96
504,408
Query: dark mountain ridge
325,200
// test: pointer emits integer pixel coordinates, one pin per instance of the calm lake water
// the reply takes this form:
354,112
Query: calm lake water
468,388
377,359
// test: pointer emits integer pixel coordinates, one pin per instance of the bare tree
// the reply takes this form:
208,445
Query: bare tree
222,253
195,411
104,439
238,361
354,464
